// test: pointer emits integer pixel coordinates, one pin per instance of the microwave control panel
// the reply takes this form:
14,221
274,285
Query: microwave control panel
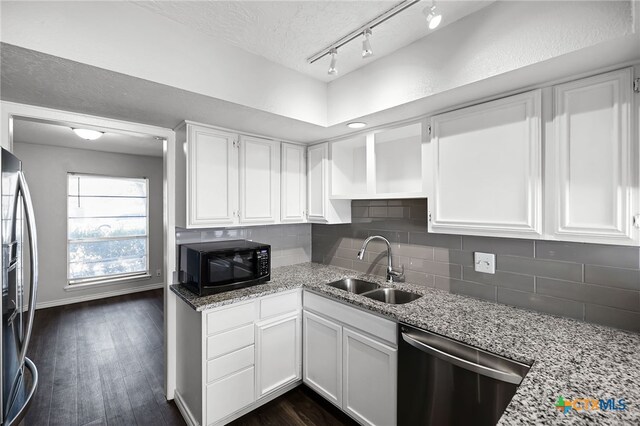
263,263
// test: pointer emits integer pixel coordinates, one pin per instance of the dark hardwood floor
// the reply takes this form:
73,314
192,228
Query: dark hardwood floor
298,407
102,363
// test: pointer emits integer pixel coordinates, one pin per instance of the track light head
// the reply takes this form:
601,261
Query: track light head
433,17
334,59
366,44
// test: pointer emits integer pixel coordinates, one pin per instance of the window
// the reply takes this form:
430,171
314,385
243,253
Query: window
107,228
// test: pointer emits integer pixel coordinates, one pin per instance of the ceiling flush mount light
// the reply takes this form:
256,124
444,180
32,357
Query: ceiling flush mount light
87,134
433,17
334,60
356,125
366,44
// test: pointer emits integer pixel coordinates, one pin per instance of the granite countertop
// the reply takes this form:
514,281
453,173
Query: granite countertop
570,358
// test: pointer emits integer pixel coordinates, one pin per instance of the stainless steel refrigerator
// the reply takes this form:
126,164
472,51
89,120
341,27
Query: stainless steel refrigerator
18,386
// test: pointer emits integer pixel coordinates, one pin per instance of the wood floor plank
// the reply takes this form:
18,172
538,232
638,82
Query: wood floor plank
116,401
64,407
90,400
141,397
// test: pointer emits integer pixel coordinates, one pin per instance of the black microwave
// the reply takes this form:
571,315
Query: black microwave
209,268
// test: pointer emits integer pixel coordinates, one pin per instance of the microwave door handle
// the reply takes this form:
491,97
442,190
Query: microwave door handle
33,262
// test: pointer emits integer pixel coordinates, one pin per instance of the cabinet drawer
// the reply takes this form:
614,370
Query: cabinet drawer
229,341
229,395
228,318
279,304
230,363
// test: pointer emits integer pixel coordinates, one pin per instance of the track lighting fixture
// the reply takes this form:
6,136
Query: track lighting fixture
334,59
366,44
364,30
433,17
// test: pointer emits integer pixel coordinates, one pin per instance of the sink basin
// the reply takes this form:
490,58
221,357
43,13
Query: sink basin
392,296
353,285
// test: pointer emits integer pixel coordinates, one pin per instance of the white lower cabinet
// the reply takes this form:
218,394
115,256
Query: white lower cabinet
230,394
368,379
235,358
356,369
322,364
277,353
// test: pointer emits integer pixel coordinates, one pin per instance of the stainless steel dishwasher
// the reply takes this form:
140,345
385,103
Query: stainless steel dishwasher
445,382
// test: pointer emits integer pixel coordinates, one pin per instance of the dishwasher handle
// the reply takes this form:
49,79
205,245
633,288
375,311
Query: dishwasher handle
463,363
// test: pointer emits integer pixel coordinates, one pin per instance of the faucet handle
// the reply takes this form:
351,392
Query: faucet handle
395,275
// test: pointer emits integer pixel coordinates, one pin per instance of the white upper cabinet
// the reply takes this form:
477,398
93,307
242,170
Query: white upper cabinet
399,159
259,180
349,167
211,178
226,179
591,162
320,208
386,163
293,195
486,165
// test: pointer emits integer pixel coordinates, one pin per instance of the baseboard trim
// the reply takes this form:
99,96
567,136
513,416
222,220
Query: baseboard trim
184,410
103,295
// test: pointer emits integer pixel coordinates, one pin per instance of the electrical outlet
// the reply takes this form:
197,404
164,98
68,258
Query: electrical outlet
485,262
158,272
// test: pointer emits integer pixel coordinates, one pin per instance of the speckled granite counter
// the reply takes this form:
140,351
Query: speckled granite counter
571,359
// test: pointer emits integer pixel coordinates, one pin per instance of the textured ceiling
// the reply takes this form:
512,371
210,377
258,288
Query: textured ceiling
60,134
288,32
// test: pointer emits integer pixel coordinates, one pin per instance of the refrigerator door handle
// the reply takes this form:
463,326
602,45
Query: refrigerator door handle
23,188
15,421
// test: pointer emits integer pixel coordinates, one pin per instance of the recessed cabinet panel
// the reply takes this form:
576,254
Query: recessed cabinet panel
229,395
593,160
259,180
398,154
349,166
212,177
317,158
278,358
320,208
293,194
322,352
369,379
487,169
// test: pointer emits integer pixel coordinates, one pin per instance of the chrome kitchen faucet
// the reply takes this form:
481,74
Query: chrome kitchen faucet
392,274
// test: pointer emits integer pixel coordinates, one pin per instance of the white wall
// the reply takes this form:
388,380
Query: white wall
122,37
46,168
503,37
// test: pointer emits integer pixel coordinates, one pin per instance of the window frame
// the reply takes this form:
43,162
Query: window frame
113,278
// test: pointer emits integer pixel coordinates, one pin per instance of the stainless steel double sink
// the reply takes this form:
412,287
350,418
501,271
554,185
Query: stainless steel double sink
375,291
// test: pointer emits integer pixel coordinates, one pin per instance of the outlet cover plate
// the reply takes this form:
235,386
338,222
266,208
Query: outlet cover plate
484,262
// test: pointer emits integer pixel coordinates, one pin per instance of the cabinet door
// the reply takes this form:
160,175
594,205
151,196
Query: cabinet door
294,177
229,395
322,357
593,162
369,379
213,177
278,345
487,169
259,180
317,158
